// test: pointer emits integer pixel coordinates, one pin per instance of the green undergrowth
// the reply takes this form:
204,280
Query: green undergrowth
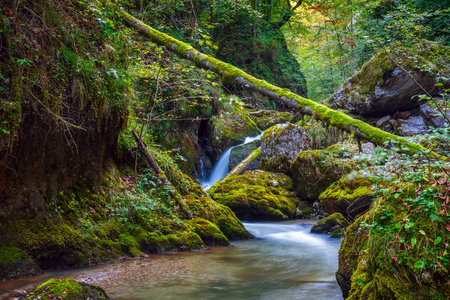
399,248
63,60
133,215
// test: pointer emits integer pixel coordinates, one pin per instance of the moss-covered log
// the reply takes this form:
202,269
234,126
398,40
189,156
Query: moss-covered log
243,164
162,176
228,72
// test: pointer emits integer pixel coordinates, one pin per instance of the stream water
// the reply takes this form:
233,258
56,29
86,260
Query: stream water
284,261
221,167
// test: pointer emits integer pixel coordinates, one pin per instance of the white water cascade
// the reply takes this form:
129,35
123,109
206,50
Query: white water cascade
221,167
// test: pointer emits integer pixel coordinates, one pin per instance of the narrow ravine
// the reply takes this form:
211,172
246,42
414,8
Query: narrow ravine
284,261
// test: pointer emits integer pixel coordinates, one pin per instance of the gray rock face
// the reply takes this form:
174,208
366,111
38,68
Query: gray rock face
239,153
280,146
409,127
432,117
396,92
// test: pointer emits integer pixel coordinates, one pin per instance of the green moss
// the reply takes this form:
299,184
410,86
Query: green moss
331,224
257,195
67,289
390,250
266,119
345,192
231,127
315,170
11,254
209,232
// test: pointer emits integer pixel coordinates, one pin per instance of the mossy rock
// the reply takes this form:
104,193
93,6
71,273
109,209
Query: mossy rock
330,224
395,252
16,263
209,233
382,88
230,128
267,118
347,190
180,241
202,206
67,289
315,170
257,195
280,146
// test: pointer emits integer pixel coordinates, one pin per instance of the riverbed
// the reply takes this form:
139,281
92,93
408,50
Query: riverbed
284,261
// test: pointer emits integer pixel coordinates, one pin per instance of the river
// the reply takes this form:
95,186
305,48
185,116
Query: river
284,261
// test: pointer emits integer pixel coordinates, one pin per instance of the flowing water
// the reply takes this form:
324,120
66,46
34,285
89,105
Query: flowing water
221,167
285,261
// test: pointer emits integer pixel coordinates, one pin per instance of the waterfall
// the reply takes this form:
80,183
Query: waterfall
221,167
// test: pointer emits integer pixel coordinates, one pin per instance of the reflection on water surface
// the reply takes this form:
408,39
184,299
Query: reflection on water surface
285,261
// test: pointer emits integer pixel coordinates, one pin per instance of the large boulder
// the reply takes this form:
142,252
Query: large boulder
315,170
257,195
267,118
349,189
280,146
381,87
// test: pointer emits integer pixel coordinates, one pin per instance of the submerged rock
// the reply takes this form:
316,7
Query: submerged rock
66,289
280,146
257,195
334,224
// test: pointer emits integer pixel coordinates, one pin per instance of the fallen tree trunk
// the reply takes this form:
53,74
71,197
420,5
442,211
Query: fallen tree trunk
151,163
359,129
243,164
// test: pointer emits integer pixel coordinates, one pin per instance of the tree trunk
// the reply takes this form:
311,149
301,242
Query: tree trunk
243,164
230,73
151,163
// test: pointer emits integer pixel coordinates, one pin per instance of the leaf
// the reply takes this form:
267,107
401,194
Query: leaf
413,242
437,240
434,217
422,232
420,264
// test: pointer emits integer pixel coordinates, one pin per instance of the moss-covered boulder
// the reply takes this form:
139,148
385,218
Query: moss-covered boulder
399,248
381,87
344,192
334,225
16,263
280,145
66,289
230,128
209,233
257,195
267,118
315,170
